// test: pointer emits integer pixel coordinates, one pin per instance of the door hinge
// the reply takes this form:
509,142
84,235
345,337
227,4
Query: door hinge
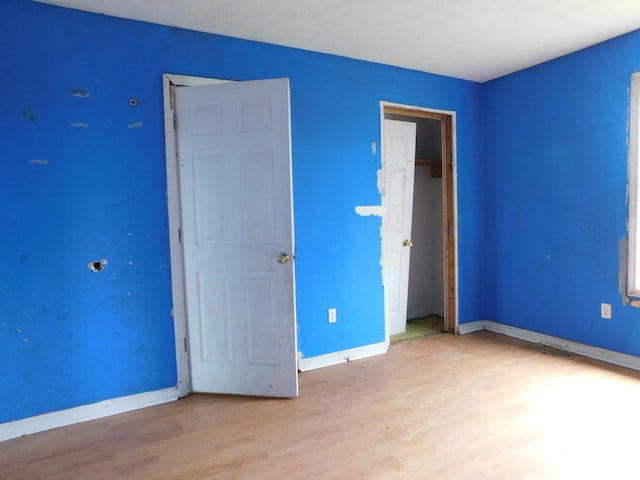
179,235
185,344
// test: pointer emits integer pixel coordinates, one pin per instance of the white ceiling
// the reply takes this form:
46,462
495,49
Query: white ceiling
471,39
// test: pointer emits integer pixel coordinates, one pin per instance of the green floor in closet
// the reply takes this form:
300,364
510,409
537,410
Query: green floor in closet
420,327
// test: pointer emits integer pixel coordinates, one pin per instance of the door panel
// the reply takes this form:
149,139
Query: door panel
235,190
399,158
209,199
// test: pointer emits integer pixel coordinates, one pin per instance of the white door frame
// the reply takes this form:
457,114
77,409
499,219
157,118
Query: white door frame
175,222
385,212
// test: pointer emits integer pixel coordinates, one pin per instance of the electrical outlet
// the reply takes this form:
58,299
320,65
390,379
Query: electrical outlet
331,315
605,310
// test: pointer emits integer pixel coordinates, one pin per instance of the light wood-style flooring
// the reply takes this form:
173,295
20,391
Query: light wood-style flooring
479,406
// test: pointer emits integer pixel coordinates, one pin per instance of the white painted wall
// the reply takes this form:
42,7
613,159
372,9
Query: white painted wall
426,273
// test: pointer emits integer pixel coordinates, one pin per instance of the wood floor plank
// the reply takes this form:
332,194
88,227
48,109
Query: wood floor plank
479,406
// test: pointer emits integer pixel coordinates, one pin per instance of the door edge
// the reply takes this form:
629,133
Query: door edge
169,82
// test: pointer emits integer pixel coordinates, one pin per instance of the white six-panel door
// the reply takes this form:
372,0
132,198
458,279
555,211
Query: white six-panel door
233,143
399,161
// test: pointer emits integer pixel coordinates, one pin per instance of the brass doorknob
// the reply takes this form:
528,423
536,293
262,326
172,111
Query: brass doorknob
407,243
283,258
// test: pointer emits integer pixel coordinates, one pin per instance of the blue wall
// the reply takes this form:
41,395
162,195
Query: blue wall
74,194
556,156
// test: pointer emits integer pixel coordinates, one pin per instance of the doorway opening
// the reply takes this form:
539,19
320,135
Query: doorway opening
431,290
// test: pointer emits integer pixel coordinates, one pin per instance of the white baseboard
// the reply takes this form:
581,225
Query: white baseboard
609,356
311,363
85,413
471,327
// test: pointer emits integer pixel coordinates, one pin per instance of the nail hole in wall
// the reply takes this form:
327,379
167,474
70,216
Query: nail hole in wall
97,266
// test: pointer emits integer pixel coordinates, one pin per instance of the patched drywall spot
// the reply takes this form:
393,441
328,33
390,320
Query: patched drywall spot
374,148
381,182
136,125
80,93
28,114
39,161
97,266
79,125
369,210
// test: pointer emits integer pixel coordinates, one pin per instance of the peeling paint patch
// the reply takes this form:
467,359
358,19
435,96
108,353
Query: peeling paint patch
80,93
136,125
381,182
79,125
97,266
39,161
369,210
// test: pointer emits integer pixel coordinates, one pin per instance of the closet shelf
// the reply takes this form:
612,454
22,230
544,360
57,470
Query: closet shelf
436,166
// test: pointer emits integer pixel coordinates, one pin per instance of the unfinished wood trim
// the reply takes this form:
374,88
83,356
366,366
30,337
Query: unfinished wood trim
448,172
413,112
436,166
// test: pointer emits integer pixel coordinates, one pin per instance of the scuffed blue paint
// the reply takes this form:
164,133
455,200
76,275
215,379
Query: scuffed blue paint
556,196
95,336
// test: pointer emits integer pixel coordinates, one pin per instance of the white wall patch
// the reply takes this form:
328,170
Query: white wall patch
369,210
80,93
